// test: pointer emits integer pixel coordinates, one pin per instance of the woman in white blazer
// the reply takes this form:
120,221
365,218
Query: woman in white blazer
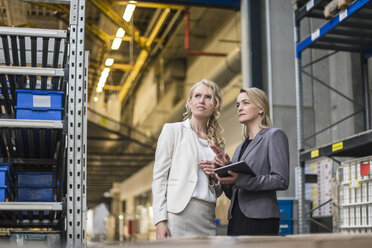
184,186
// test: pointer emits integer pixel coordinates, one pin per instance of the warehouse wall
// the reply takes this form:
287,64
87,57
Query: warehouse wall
321,106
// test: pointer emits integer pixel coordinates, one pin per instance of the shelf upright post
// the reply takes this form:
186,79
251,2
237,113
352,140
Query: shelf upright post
364,67
76,149
300,130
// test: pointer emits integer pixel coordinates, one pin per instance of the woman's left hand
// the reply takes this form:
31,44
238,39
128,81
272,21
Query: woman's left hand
208,167
228,180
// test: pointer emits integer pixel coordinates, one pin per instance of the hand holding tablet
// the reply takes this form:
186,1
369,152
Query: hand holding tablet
238,167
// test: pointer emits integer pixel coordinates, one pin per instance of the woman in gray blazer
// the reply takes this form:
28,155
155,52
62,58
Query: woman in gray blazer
184,187
254,208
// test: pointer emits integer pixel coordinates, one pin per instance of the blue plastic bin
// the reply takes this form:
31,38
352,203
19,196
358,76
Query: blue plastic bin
4,194
9,167
53,114
35,195
4,177
35,179
26,212
39,105
39,98
285,208
285,227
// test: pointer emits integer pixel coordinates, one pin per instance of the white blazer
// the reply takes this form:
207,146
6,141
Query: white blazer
175,170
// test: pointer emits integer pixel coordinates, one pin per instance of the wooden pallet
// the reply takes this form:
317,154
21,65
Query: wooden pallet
343,4
334,7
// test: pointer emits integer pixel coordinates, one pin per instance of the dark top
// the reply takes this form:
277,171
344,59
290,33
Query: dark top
244,146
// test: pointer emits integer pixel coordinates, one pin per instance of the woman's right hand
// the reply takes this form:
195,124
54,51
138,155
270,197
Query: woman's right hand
221,157
162,230
228,180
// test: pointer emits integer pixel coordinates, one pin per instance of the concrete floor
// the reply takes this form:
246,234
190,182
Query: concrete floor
291,241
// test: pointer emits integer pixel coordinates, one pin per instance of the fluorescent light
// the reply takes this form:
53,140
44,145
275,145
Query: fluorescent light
120,33
99,90
116,44
101,83
95,99
109,62
106,70
129,12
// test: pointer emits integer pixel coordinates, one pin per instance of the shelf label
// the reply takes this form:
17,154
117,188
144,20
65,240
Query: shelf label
354,183
41,101
315,153
309,5
315,35
342,15
337,146
364,169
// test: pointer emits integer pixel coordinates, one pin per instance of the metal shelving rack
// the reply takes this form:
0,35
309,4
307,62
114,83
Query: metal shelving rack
349,31
54,60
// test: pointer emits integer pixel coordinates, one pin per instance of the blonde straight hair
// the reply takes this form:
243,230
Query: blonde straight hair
259,98
214,129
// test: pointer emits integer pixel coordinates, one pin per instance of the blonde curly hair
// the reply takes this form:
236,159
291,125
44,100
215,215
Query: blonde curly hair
214,129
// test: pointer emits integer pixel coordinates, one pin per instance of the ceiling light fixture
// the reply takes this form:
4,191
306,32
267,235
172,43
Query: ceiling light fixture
116,44
120,33
109,62
129,12
95,99
99,90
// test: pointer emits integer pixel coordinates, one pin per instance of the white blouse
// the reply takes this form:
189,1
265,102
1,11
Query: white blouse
202,191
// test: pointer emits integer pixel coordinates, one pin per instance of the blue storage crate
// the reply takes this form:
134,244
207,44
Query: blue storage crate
39,104
285,208
26,212
53,114
285,227
4,194
4,177
39,99
10,168
35,195
35,179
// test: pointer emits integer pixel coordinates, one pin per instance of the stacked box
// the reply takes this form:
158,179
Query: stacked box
39,104
345,218
286,217
6,182
364,192
311,193
356,195
35,186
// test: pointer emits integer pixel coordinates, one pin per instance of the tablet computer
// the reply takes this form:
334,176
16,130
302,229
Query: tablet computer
238,167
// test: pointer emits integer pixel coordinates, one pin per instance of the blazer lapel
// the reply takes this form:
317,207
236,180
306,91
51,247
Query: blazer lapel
236,154
254,142
188,132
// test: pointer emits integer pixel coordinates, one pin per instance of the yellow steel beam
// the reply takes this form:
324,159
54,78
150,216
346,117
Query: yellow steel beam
122,67
106,38
149,5
90,27
112,87
143,55
115,17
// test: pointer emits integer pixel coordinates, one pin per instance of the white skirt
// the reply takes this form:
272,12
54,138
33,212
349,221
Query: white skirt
197,219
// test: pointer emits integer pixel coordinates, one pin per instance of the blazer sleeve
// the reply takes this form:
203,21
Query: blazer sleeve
227,189
278,157
162,164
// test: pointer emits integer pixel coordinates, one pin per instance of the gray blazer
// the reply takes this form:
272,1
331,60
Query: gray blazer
268,156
